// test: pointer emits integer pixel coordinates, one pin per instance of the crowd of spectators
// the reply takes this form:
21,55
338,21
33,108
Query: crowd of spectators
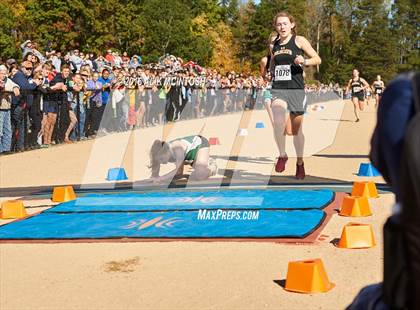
50,98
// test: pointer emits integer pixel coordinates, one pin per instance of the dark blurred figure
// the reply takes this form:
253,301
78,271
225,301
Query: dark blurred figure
395,151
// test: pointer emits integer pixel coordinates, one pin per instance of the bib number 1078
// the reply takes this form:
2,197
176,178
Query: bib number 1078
282,73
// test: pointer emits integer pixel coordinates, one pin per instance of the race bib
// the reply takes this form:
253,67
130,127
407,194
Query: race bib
357,89
282,73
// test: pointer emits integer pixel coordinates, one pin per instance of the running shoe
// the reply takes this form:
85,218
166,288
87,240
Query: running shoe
300,171
281,163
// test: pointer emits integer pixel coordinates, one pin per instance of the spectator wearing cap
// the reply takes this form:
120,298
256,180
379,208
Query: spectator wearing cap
10,62
21,104
29,47
6,87
26,47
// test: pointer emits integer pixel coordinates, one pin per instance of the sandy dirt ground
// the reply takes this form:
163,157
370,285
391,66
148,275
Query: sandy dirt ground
193,275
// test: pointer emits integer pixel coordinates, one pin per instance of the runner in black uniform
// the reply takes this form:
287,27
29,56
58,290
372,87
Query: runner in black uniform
358,86
378,88
266,75
288,87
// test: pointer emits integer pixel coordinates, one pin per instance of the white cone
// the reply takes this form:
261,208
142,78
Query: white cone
243,132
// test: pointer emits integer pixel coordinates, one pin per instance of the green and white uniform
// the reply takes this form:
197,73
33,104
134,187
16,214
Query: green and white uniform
194,143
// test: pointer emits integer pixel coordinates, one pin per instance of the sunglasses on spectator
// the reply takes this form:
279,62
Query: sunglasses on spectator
28,68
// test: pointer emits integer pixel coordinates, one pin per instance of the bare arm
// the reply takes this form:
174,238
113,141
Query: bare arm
313,59
348,87
58,86
271,65
155,171
179,160
263,66
365,84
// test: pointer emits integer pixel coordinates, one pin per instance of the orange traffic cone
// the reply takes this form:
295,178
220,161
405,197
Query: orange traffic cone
355,206
307,276
357,236
63,194
365,189
12,209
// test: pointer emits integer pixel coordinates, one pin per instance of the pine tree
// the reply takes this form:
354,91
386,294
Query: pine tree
373,49
167,29
406,20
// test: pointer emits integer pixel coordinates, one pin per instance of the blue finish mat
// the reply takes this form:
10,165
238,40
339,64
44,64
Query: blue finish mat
203,214
227,199
172,224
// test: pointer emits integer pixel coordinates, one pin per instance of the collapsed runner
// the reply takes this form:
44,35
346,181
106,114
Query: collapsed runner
190,150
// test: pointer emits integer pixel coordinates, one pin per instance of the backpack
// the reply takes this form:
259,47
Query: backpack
401,286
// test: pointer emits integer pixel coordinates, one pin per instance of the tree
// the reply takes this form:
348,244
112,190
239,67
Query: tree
378,36
51,21
241,34
214,12
120,29
335,42
373,48
167,29
378,45
8,25
225,51
406,20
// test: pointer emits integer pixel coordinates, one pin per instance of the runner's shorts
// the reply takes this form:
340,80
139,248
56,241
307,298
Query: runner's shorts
359,95
295,99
